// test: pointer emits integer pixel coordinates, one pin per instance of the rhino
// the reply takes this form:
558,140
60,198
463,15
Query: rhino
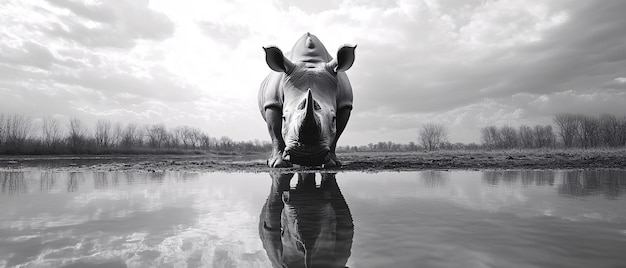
306,226
306,102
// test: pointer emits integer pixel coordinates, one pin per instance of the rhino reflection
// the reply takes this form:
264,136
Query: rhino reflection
306,226
13,183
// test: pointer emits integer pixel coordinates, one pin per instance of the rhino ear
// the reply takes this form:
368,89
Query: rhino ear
277,61
344,60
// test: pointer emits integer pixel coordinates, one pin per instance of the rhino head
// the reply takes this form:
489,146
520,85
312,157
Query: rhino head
308,128
310,93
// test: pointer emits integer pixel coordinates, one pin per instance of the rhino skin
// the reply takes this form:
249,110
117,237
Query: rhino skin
306,226
306,102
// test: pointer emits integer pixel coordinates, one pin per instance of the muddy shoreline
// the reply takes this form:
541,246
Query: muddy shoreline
359,161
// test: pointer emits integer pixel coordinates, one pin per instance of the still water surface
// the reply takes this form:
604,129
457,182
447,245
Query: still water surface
408,219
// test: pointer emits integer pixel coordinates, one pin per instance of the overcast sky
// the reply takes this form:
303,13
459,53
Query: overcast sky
466,64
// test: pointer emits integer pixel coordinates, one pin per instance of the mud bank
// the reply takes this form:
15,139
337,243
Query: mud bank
360,161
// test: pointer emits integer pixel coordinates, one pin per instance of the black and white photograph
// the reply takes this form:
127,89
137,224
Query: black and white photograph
276,133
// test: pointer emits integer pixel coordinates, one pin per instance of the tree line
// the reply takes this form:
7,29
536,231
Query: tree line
523,137
582,131
20,134
574,131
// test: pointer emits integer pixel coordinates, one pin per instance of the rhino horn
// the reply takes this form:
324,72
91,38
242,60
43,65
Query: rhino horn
310,108
310,127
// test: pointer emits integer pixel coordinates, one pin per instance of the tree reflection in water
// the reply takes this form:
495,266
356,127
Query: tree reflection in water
306,226
101,180
581,183
573,183
527,177
434,178
13,183
47,181
74,180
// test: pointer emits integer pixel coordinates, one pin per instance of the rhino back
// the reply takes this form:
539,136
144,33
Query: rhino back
309,49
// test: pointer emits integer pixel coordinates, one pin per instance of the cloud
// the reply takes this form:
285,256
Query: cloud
499,51
158,84
310,6
592,102
230,35
29,54
110,23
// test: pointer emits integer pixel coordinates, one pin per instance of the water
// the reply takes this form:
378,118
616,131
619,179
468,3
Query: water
409,219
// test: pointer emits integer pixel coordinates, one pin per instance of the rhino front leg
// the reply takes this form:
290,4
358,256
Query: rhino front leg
274,120
342,120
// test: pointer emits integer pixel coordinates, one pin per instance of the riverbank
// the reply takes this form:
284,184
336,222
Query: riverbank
353,161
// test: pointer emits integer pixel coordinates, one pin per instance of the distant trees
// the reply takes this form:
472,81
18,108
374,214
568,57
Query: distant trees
507,137
131,136
612,130
50,131
432,135
574,131
381,147
577,130
15,130
19,135
77,136
103,134
543,137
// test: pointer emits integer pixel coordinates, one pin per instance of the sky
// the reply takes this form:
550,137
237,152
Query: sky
464,64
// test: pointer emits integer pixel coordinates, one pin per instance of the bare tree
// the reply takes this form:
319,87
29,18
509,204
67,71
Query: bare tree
50,130
191,137
130,136
225,143
2,130
178,136
609,130
77,134
116,134
103,133
188,137
568,128
509,137
157,135
205,141
490,136
622,131
588,131
16,128
196,137
432,135
544,136
526,137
